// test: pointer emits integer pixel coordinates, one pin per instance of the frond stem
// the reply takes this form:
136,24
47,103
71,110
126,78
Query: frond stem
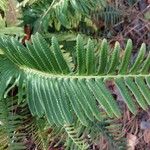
75,76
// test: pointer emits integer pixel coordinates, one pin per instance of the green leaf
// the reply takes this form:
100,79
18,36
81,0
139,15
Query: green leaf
126,95
139,59
103,56
90,62
126,58
80,55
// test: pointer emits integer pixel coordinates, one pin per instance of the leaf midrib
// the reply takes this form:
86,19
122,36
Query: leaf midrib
75,76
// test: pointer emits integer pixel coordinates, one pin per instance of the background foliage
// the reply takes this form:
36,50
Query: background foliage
96,101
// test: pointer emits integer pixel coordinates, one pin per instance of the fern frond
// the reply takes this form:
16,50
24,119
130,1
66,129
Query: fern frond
82,137
10,136
110,130
76,136
109,15
66,13
18,126
61,93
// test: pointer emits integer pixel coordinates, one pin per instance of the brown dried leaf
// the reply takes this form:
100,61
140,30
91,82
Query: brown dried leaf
119,97
147,136
148,1
131,141
12,13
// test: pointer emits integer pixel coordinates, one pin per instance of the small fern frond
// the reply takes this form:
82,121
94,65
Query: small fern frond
82,137
61,93
66,13
75,136
109,15
10,135
110,130
18,126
